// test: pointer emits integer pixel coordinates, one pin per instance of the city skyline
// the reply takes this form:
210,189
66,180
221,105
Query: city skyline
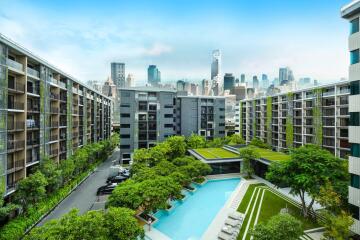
248,40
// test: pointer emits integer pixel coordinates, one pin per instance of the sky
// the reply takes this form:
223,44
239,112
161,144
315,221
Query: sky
83,37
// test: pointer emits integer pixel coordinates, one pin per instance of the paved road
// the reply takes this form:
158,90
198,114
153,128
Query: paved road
84,197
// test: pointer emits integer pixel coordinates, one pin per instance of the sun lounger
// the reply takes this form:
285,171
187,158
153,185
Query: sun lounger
236,215
225,236
230,230
232,222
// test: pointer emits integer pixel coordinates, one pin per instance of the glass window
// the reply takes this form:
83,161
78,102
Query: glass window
354,56
355,87
354,210
354,119
355,180
124,146
125,115
354,26
355,150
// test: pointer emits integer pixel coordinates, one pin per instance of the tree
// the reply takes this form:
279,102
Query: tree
195,141
31,190
258,143
281,226
309,168
51,172
235,139
216,143
177,146
122,225
127,194
247,154
337,226
328,198
67,169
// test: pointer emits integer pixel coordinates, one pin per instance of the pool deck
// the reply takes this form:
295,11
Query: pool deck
230,206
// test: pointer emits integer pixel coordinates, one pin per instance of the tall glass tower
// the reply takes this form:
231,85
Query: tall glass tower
118,74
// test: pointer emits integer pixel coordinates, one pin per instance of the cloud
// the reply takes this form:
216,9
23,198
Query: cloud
157,49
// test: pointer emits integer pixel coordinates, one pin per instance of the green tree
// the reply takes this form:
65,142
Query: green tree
258,143
247,155
195,141
281,226
216,143
67,169
122,225
31,190
177,146
52,173
235,139
337,226
164,168
128,194
310,168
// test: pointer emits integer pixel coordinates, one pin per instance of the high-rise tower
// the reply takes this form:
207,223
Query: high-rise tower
118,74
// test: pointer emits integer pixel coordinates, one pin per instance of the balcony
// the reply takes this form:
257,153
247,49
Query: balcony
15,166
62,110
32,124
75,145
14,105
74,90
54,96
33,107
62,148
62,123
54,81
54,124
32,142
15,125
32,72
63,97
75,112
75,134
53,152
54,138
32,158
15,145
75,124
62,136
16,87
15,65
33,90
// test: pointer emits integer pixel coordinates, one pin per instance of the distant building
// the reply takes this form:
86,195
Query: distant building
118,74
216,72
285,76
154,75
94,84
242,78
240,92
255,82
180,85
194,88
264,81
205,87
229,82
130,80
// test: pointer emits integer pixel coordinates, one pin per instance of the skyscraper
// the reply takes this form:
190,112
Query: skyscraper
118,74
264,81
130,80
285,75
216,72
229,82
242,78
205,87
255,82
154,75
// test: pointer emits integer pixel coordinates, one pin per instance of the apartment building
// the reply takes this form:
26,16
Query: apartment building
201,115
318,115
43,111
351,12
149,115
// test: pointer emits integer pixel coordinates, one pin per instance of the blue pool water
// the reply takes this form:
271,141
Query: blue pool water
189,219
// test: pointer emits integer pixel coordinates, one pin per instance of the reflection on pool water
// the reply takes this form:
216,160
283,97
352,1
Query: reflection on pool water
189,219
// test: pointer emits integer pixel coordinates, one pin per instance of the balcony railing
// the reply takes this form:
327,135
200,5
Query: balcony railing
15,125
53,152
54,96
15,166
53,80
31,142
15,144
18,87
75,145
31,123
54,137
62,84
62,136
75,111
31,159
32,72
62,123
63,110
15,65
54,124
75,124
15,105
54,110
33,107
63,97
75,134
62,148
33,90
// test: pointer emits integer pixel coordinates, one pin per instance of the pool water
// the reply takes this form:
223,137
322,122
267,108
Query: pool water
189,219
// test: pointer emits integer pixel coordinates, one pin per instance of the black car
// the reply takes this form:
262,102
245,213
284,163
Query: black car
107,189
116,179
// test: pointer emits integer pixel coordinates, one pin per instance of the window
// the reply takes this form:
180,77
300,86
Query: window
355,87
221,109
354,56
221,132
168,115
221,124
122,146
126,155
168,106
355,149
354,26
222,117
152,107
168,125
124,125
354,210
125,115
354,119
125,105
124,136
142,106
355,181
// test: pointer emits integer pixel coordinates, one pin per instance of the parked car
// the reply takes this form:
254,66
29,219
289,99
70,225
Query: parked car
106,189
125,174
116,179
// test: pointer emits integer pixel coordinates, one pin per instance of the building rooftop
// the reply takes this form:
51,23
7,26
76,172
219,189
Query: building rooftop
31,55
350,9
148,89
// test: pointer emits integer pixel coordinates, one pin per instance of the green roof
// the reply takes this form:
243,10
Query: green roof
215,153
271,155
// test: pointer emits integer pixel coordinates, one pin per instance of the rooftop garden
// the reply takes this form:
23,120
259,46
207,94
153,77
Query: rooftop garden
271,155
214,153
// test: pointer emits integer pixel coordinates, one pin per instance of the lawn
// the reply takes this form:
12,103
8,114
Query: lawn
211,153
271,155
270,206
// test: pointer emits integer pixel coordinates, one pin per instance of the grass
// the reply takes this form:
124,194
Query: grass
212,153
271,205
271,155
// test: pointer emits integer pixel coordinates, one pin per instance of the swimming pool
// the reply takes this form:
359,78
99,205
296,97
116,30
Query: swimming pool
189,219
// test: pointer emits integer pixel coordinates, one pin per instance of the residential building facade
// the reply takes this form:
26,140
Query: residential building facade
315,115
351,12
44,111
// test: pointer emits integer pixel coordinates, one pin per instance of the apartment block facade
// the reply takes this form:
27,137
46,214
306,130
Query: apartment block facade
43,111
351,12
316,115
150,115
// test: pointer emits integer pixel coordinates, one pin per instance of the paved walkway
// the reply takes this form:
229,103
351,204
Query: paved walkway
84,197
